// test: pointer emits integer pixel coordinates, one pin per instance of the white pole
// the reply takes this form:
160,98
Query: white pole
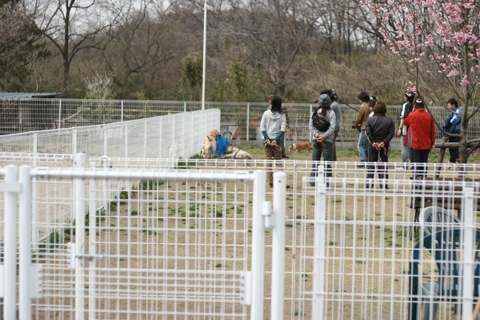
204,52
10,249
80,242
92,248
258,246
468,253
319,250
25,244
278,242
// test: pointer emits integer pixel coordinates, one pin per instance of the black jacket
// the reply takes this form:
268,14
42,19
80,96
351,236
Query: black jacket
380,128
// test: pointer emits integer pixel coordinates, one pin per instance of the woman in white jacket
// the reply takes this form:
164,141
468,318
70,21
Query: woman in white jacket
273,127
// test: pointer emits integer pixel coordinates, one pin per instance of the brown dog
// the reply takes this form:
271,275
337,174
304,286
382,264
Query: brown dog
210,143
299,146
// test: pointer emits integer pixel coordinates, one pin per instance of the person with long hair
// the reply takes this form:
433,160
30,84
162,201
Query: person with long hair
423,136
407,107
323,140
359,124
273,125
380,130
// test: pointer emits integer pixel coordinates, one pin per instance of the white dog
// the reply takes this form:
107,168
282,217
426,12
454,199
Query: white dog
235,153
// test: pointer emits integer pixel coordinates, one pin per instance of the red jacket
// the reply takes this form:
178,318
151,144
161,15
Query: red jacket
423,127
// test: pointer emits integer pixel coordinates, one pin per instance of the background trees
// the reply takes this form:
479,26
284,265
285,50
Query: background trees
255,48
439,43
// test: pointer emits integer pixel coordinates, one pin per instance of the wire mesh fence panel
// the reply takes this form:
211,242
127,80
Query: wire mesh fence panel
370,234
156,248
178,135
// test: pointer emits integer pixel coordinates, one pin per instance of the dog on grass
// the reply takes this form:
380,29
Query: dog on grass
210,144
299,146
235,153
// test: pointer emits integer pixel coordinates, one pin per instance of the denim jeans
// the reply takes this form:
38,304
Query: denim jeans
362,146
317,150
454,153
419,159
406,152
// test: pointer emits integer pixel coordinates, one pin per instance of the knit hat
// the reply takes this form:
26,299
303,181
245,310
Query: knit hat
324,101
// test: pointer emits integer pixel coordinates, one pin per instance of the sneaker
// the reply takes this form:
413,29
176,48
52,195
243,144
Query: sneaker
450,165
284,156
401,168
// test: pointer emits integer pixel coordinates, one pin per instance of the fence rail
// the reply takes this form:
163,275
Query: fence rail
239,121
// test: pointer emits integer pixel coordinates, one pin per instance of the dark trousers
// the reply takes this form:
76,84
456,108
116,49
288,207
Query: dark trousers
420,158
454,154
381,157
317,150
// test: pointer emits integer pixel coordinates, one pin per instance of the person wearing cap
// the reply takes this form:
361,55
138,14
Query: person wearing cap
323,140
334,106
359,124
403,129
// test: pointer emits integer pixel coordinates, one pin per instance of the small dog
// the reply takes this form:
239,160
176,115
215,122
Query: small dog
235,153
299,146
210,143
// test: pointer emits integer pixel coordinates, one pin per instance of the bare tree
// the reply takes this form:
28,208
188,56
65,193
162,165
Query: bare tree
71,25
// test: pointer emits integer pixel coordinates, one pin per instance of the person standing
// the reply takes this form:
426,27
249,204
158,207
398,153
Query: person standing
336,109
403,129
322,139
379,130
359,124
423,136
452,125
273,125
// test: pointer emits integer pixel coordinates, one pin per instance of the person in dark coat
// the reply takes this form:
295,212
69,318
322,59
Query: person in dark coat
379,130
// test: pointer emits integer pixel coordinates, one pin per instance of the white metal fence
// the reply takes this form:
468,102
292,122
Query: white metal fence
176,245
350,251
239,121
169,136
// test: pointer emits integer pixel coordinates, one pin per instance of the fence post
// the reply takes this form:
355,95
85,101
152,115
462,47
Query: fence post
248,121
105,141
74,141
92,246
10,246
126,140
468,253
121,113
160,138
258,246
145,133
80,241
59,114
278,243
25,261
35,144
319,250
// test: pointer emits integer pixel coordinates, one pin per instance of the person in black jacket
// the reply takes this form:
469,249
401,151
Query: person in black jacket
379,130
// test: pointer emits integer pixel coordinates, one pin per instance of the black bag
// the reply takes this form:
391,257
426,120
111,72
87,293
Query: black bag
319,122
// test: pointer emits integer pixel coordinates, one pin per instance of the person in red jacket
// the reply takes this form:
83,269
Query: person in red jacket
423,129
